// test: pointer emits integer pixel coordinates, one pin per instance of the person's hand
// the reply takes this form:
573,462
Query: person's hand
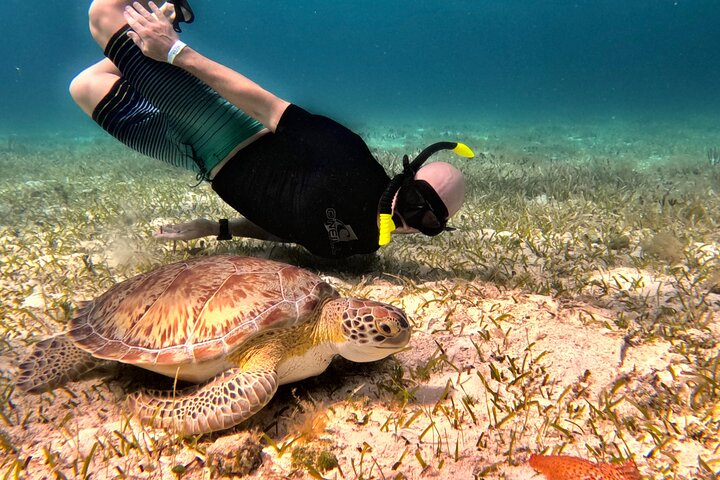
197,228
152,30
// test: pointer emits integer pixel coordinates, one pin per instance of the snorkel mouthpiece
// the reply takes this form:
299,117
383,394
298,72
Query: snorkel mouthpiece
387,226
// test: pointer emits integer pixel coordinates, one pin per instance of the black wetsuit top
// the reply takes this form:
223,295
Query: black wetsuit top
313,182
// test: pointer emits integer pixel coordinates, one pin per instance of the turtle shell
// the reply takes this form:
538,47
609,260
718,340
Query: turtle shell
196,310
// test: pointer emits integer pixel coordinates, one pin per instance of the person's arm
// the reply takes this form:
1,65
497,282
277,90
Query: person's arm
152,31
236,88
202,227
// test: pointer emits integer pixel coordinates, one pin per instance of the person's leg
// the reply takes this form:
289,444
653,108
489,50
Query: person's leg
203,125
91,85
106,18
106,96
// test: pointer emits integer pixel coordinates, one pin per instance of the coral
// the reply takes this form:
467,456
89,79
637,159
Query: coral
565,467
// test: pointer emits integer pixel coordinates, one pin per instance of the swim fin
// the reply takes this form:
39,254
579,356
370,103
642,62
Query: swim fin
183,13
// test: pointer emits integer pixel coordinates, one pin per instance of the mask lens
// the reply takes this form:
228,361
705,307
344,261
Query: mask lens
412,199
430,224
426,221
418,212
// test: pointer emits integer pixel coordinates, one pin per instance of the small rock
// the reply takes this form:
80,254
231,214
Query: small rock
620,242
237,454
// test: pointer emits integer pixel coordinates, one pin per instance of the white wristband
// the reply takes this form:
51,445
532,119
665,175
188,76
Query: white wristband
175,50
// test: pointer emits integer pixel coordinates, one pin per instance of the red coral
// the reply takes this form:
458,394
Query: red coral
564,467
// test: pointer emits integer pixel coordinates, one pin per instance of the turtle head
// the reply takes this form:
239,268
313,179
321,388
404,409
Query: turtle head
369,330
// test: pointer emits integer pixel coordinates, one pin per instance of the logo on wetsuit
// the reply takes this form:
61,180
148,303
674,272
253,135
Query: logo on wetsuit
337,230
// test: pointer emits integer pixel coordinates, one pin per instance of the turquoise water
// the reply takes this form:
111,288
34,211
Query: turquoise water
435,62
586,255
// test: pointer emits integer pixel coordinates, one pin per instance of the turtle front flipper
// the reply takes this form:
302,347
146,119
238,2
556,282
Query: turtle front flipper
53,362
226,400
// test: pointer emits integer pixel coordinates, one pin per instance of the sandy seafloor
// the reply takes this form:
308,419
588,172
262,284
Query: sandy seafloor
574,310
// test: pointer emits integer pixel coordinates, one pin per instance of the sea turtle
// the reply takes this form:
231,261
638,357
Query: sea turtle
238,326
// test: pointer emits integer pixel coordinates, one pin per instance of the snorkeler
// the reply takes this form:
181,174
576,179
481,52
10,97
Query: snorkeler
294,176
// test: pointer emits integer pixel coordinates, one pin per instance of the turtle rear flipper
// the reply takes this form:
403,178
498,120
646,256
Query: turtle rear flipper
53,362
226,400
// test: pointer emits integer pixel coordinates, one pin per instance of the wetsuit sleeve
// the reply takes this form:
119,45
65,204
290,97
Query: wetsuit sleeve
329,141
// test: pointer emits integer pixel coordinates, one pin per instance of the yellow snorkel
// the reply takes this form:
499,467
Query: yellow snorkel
387,226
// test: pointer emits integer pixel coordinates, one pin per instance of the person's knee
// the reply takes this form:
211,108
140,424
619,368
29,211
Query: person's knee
79,86
81,89
90,86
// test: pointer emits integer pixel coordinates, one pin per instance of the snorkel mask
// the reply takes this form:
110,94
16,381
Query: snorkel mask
421,206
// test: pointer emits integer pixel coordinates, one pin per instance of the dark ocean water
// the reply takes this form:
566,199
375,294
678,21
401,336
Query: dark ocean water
441,61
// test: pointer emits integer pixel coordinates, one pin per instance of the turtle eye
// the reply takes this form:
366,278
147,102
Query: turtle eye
388,329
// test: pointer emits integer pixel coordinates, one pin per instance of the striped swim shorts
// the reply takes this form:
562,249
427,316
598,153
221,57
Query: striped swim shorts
166,113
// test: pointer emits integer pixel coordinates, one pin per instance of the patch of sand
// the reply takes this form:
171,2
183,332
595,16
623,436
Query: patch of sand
490,377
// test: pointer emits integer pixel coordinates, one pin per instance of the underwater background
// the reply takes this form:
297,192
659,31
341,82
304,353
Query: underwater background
573,309
426,61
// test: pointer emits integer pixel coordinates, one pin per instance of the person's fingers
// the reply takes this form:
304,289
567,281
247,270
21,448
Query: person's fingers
128,18
140,9
155,9
138,13
171,236
169,229
164,14
156,13
134,37
169,11
133,17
